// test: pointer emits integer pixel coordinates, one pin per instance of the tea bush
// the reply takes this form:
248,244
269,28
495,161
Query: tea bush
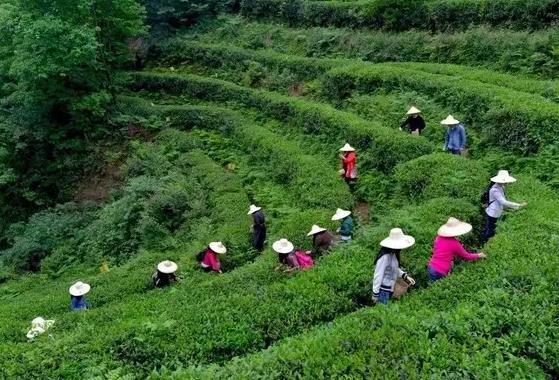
508,119
311,117
440,175
497,49
398,15
495,306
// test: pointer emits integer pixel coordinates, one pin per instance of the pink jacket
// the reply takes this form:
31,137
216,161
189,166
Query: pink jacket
444,251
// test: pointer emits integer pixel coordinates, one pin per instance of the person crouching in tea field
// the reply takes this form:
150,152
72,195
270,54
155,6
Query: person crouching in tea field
209,258
387,265
346,227
322,241
455,138
291,257
414,123
77,296
446,247
497,203
165,274
349,165
258,227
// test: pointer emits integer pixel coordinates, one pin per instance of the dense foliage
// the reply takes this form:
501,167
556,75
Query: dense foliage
398,15
228,113
57,63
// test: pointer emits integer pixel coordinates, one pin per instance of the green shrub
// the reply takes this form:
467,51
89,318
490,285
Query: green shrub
508,119
315,119
440,175
500,306
498,49
397,15
35,240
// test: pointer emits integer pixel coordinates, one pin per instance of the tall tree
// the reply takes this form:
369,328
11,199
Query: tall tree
58,64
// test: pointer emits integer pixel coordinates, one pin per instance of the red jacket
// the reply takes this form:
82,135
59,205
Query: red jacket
349,164
211,260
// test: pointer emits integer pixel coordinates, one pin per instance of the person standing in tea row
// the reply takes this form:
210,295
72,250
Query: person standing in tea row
495,202
387,265
349,165
455,136
414,122
346,227
258,227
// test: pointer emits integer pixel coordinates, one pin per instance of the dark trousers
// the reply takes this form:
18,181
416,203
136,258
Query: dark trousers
434,275
258,237
490,227
455,151
352,183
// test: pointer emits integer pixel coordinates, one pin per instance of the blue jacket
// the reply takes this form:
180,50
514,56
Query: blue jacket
78,303
455,137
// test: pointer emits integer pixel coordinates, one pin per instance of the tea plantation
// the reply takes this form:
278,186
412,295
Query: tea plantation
226,103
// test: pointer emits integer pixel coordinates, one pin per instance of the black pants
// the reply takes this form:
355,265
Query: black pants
258,237
352,183
490,227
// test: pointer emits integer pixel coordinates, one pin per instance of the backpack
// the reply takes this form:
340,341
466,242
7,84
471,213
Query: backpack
200,256
485,196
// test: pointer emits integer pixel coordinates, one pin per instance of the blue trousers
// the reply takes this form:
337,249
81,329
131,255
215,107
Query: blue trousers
384,296
434,275
490,227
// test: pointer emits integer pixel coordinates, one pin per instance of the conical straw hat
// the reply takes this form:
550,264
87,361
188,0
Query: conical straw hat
167,267
218,247
347,148
503,177
283,246
450,120
453,227
315,230
79,289
252,209
397,240
341,214
413,111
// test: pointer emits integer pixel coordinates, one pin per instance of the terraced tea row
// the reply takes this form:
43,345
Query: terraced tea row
495,319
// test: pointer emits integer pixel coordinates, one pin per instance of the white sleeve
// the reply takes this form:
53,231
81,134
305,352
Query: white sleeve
401,273
499,198
380,267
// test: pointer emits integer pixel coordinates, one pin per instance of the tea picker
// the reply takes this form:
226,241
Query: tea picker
348,158
387,265
165,274
258,227
322,241
209,258
414,122
346,227
455,138
446,247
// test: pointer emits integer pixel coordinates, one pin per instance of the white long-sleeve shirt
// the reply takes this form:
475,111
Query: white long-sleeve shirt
498,202
387,271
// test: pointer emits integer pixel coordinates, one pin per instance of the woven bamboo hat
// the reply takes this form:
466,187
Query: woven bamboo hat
283,246
79,289
252,209
347,148
413,111
316,230
454,227
341,214
167,267
503,177
450,120
397,240
218,247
